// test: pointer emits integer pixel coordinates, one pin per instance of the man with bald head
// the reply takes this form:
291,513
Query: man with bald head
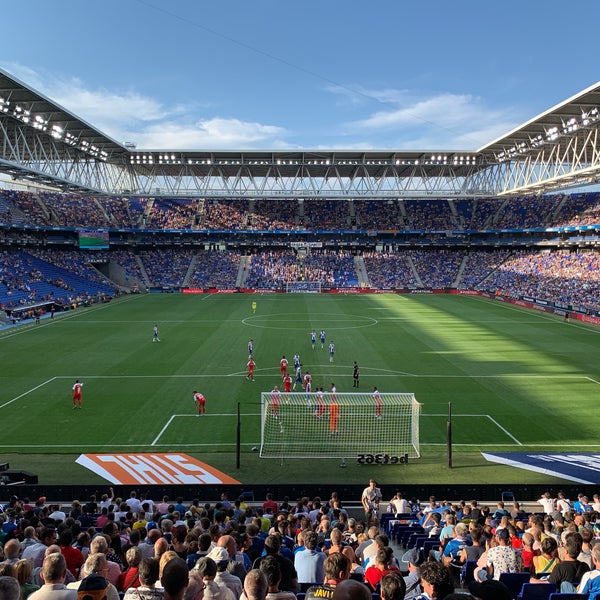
255,585
12,552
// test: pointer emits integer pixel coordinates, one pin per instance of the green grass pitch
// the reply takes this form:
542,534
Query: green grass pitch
518,380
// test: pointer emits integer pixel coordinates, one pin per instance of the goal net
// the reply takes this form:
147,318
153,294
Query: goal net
303,287
301,425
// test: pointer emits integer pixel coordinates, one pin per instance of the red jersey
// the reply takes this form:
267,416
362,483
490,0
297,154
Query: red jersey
283,364
307,382
199,399
77,390
287,384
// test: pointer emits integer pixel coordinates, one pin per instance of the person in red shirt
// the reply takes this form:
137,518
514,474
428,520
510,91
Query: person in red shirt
200,402
269,503
283,365
287,383
251,364
73,557
77,393
383,565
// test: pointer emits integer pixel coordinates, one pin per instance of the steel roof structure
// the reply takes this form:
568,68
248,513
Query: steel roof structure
42,142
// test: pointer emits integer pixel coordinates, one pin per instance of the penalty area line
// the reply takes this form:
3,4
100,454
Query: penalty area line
37,387
200,416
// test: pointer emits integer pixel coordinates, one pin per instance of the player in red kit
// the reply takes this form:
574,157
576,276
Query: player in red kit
287,386
251,364
283,364
200,402
77,393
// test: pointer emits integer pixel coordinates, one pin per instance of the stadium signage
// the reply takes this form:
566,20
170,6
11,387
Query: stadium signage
381,459
578,467
153,469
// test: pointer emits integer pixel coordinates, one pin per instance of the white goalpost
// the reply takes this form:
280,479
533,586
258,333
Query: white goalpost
299,425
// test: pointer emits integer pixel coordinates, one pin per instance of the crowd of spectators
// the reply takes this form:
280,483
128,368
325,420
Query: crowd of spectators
273,269
387,270
269,215
569,278
35,277
74,210
215,269
167,267
232,550
172,214
326,214
220,214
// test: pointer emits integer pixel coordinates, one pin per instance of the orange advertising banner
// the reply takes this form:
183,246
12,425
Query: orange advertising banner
153,469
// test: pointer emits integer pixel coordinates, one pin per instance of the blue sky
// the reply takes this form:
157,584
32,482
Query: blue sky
318,74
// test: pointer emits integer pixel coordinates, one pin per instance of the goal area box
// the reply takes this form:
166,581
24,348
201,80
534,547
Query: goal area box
301,425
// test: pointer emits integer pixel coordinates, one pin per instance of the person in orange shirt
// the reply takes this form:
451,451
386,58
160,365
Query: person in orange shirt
334,415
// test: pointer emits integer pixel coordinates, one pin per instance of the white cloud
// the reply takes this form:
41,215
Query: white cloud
130,116
444,120
216,133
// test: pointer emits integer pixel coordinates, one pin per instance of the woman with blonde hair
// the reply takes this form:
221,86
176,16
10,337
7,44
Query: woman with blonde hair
23,571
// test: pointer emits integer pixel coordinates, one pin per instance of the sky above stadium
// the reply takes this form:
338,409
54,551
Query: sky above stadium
318,74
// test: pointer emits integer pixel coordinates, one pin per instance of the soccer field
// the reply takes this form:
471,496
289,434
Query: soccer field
518,380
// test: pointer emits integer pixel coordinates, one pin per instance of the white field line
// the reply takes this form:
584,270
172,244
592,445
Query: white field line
37,387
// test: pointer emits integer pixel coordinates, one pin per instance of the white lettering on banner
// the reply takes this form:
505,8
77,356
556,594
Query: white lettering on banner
150,469
589,461
154,468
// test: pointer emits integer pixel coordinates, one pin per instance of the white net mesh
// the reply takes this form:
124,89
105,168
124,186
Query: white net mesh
299,425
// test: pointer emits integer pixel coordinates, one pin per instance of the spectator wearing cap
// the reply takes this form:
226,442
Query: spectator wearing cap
502,558
411,561
223,577
239,563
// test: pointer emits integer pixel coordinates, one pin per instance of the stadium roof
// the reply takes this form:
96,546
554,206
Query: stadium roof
41,141
577,112
24,103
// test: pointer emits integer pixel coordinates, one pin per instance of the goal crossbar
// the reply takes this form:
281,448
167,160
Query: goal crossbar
301,425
